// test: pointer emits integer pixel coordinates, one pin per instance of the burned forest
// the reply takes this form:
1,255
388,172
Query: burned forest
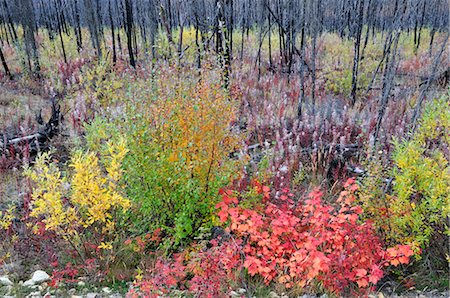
224,148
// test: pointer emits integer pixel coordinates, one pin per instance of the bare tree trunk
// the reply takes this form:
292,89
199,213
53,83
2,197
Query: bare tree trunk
93,27
5,66
357,44
29,25
129,31
112,33
60,29
302,67
388,78
315,31
78,32
421,25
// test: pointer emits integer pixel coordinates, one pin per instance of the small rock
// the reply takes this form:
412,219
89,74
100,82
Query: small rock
106,290
273,295
242,291
28,283
34,294
40,276
81,284
234,294
71,292
92,295
5,281
76,296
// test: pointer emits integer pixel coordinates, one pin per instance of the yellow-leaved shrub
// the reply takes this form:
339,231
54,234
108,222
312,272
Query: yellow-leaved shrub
86,197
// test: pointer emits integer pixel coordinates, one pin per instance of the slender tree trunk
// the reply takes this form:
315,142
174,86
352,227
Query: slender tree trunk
5,65
302,68
113,36
60,30
78,32
357,44
29,25
93,27
129,31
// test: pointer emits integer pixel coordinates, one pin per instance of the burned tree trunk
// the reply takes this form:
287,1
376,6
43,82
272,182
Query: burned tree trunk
112,33
129,31
5,65
359,24
29,26
93,26
36,142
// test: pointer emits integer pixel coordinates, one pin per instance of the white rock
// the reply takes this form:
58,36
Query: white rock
28,283
40,276
92,295
81,284
34,294
106,290
76,296
233,294
4,281
242,291
273,295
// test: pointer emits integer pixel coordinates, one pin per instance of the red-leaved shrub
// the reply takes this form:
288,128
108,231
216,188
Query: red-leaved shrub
292,243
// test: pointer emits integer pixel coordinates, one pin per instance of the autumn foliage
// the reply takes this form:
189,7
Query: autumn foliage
300,245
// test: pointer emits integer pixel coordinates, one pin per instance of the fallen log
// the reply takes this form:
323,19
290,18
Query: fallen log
33,143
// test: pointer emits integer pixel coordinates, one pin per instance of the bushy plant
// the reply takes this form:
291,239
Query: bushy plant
417,209
82,206
8,236
180,143
422,177
300,245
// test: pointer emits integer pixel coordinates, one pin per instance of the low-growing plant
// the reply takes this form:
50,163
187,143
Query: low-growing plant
304,245
300,247
83,205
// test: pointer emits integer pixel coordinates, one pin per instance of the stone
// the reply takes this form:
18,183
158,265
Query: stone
92,295
5,281
71,292
81,284
29,283
234,294
106,290
34,294
242,291
40,276
76,296
273,295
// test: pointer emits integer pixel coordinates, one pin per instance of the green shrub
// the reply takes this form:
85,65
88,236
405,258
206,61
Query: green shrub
179,140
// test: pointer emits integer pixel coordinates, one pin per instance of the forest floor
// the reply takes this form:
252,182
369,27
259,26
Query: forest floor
18,105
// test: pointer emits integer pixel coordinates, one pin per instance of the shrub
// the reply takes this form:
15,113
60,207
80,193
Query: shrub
418,208
180,140
300,245
422,178
82,206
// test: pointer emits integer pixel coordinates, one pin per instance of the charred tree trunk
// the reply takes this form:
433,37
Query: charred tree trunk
93,26
5,65
113,36
29,26
359,24
129,31
78,33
